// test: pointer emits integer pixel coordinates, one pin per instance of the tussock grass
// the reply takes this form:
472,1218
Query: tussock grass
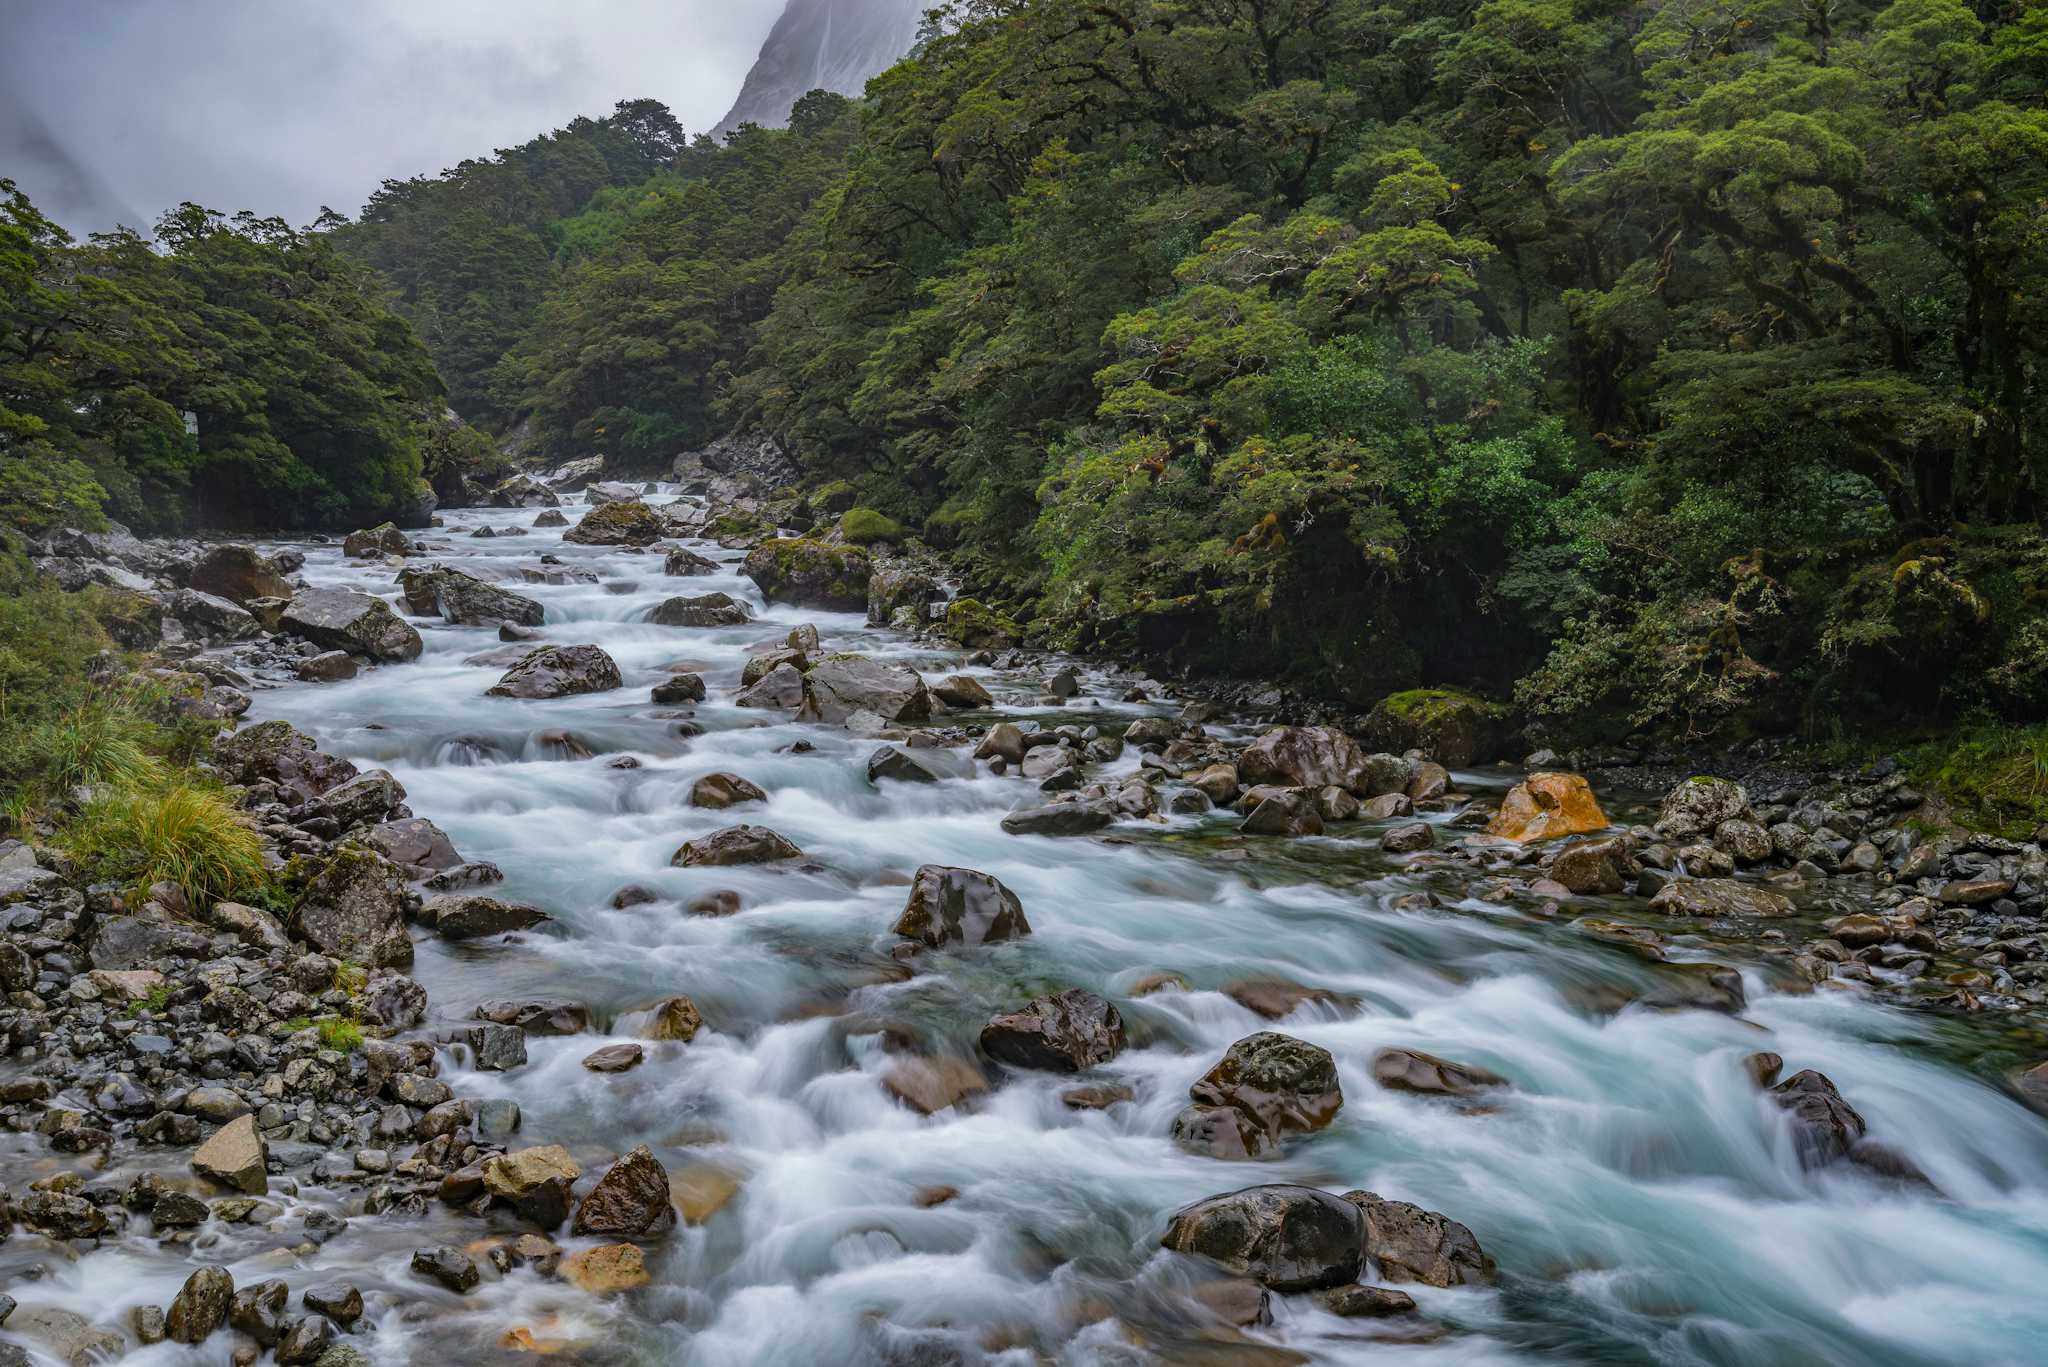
181,834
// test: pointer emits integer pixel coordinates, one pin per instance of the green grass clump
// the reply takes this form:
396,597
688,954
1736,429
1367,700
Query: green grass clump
342,1036
183,834
1992,777
92,745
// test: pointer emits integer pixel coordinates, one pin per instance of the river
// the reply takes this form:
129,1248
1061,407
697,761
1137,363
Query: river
1642,1199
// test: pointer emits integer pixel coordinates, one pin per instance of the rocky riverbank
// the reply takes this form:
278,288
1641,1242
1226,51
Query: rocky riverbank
189,1078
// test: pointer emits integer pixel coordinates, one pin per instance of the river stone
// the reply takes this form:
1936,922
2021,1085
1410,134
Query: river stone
464,599
1283,1085
238,574
524,491
1825,1127
1429,782
735,845
953,906
535,1182
1273,998
498,1048
614,1058
920,765
539,1016
354,909
1288,1238
338,1301
618,524
1220,1132
201,1306
236,1157
1410,1070
343,620
682,562
1059,818
62,1215
374,543
1720,897
392,1001
838,687
1696,808
719,791
68,1336
474,916
679,689
1004,741
630,1201
304,1342
1544,806
811,573
1304,757
1285,812
1063,1033
1407,839
1591,867
675,1019
1410,1244
414,842
707,610
259,1311
450,1267
1367,1302
764,662
1697,987
606,1270
366,798
961,691
559,672
781,688
931,1085
277,753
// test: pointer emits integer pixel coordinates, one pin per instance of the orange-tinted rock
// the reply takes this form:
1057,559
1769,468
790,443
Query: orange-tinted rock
1546,806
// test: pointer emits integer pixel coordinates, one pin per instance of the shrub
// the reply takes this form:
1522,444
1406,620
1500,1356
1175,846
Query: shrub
186,835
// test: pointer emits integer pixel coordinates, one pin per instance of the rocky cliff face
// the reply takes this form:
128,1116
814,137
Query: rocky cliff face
823,45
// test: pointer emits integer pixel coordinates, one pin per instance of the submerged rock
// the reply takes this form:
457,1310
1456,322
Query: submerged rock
1287,1238
1409,1070
1410,1244
1065,1033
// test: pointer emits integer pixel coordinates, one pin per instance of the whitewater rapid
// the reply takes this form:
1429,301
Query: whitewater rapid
1642,1199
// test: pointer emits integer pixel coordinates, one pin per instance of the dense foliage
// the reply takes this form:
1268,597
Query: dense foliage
234,372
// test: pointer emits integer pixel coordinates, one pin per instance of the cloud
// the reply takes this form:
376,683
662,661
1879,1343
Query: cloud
116,110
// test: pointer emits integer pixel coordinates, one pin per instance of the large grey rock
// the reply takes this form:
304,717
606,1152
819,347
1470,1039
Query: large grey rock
1063,1033
618,524
275,752
1274,1085
474,916
705,610
735,845
238,574
631,1200
1288,1238
838,687
213,619
811,573
464,599
559,672
1059,818
781,689
363,800
954,906
355,909
201,1306
414,842
1410,1244
343,620
1305,757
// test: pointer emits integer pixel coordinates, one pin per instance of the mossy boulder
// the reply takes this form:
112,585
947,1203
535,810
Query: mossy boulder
618,524
866,527
811,573
836,497
354,909
974,625
1451,727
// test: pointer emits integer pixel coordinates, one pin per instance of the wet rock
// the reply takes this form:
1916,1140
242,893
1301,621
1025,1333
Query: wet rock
1592,867
618,524
1696,808
1287,1238
304,1341
1546,806
954,906
1064,1033
366,798
534,1183
259,1311
780,689
1410,1244
1745,842
355,908
679,689
763,663
921,765
1825,1128
355,622
414,842
338,1301
498,1048
842,685
1003,741
1409,1070
630,1201
614,1058
1304,757
1974,892
62,1215
464,599
606,1270
735,845
705,610
236,1157
559,672
1281,1085
450,1267
811,573
473,917
931,1085
1285,812
719,791
374,543
962,692
69,1337
1720,897
1763,1068
1220,1132
1367,1302
1096,1098
1698,987
541,1016
201,1306
675,1019
682,562
331,666
1273,998
1406,839
1059,818
238,574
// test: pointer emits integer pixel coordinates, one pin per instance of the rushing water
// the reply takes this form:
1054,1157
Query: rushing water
1643,1201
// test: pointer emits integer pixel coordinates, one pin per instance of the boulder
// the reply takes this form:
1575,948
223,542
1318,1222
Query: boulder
363,800
735,845
201,1306
916,765
1592,867
1456,728
610,491
1410,1070
764,662
534,1183
678,689
329,666
1304,757
1720,897
450,1267
541,1016
1410,1244
682,563
781,688
414,842
1288,1238
975,626
631,1200
1284,811
1276,1085
962,692
953,906
1825,1127
1063,1033
355,622
615,1058
559,672
838,687
898,586
719,791
524,491
1408,838
811,573
464,599
1545,806
215,620
355,909
375,543
618,524
1695,809
238,574
474,916
676,1019
705,610
236,1157
276,753
1059,818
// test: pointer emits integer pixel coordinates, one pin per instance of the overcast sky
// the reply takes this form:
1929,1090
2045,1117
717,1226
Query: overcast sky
116,110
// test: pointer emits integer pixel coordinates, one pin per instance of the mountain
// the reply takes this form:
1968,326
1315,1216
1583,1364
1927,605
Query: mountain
823,45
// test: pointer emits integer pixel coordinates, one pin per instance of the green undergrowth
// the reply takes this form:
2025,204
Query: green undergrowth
1990,776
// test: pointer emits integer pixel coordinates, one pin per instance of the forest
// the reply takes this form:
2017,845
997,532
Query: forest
1673,365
